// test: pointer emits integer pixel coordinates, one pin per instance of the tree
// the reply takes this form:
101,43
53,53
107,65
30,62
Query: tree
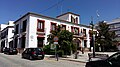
106,37
65,40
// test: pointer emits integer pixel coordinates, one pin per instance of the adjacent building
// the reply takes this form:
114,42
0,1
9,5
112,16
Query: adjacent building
7,33
115,26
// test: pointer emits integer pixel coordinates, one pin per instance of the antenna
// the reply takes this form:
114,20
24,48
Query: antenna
97,15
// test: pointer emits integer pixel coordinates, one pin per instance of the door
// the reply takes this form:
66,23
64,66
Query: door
40,42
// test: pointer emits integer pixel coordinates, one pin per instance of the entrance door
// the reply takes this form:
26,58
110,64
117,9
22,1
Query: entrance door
40,42
23,41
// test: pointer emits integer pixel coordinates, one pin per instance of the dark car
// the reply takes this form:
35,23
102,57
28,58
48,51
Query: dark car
112,61
10,51
33,53
3,49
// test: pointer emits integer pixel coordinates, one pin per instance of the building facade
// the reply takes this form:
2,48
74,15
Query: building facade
31,30
115,26
7,33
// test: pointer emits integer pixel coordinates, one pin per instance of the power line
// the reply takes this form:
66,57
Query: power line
52,6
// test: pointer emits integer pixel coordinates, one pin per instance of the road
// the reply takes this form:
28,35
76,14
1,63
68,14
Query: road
17,61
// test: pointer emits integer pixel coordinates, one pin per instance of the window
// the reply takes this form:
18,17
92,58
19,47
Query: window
84,32
75,30
40,26
76,20
53,26
17,29
72,29
63,27
24,25
72,19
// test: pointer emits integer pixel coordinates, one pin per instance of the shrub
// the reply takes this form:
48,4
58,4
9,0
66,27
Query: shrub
74,48
47,49
60,53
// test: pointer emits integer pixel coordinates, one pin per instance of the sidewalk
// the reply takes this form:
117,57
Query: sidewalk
83,58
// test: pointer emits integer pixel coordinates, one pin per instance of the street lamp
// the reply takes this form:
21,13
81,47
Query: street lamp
93,36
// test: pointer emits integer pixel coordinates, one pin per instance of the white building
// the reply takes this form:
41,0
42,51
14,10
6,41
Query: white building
7,33
115,26
31,30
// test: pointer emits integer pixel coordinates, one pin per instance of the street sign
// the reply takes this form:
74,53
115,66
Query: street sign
55,42
55,39
53,46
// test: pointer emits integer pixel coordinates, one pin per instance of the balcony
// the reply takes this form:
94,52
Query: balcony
80,35
41,32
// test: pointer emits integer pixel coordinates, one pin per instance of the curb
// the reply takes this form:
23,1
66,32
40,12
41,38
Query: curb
73,60
48,57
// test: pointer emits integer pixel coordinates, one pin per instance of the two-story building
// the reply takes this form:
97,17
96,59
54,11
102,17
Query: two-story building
6,38
31,30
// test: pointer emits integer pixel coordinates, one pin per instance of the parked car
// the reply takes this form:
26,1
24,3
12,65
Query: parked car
33,53
3,49
10,51
112,61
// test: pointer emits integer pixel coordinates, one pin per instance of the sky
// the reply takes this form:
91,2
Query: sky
107,9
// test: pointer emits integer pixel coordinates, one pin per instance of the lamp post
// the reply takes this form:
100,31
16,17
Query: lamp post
93,37
56,43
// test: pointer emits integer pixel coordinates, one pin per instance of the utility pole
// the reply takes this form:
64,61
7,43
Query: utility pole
93,37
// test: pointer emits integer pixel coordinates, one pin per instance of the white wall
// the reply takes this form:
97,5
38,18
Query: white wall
10,35
32,37
33,29
74,17
65,17
2,26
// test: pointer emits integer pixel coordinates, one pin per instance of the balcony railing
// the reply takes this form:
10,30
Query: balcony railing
81,35
41,32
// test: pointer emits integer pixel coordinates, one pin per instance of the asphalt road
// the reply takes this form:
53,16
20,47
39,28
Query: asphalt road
17,61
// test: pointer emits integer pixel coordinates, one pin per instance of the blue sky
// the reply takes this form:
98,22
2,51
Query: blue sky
107,9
